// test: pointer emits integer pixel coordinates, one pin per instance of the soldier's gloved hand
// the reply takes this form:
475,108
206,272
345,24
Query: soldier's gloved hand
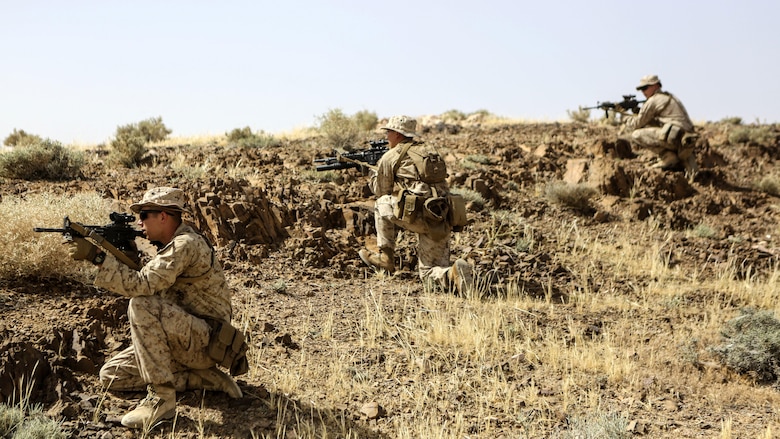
81,249
619,109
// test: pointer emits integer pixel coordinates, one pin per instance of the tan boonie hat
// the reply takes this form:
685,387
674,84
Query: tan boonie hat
402,124
162,198
648,80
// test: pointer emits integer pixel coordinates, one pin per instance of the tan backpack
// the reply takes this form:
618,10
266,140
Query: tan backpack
429,163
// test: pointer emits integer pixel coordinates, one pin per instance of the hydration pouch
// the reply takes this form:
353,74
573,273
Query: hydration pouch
457,213
228,347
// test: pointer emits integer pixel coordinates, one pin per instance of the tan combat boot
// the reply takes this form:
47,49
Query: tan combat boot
461,277
159,404
384,259
666,161
213,379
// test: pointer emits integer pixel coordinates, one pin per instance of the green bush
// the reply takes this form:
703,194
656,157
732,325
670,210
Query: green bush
153,129
245,138
751,344
16,424
340,131
731,121
41,160
769,184
129,145
128,148
752,135
21,138
365,120
597,426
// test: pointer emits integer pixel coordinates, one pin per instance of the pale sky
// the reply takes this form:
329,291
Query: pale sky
75,70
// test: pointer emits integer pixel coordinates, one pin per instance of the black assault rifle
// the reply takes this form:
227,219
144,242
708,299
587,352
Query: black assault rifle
357,159
117,237
629,103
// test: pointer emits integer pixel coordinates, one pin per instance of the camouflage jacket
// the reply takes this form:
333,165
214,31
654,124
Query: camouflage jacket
185,272
661,108
384,180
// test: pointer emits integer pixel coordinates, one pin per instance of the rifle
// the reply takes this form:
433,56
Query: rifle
117,237
629,103
359,159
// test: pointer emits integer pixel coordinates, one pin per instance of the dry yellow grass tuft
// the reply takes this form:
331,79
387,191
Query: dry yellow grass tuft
27,253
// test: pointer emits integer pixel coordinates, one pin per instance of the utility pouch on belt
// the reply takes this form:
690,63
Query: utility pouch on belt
457,213
408,207
672,134
228,348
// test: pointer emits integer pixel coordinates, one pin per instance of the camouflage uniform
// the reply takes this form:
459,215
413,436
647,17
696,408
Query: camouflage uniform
173,301
433,248
658,118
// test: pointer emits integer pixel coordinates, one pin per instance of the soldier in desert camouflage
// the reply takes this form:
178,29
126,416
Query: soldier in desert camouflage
663,127
397,174
176,300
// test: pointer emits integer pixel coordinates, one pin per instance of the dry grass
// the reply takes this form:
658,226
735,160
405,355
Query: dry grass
461,367
26,253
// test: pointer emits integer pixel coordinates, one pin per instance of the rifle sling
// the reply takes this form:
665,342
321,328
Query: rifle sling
103,242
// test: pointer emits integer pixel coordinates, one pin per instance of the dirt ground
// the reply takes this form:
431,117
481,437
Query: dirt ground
289,245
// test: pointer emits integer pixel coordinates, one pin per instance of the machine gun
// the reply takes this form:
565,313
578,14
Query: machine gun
117,237
358,159
629,102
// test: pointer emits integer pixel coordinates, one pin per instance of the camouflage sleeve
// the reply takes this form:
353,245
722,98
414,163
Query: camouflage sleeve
156,276
383,181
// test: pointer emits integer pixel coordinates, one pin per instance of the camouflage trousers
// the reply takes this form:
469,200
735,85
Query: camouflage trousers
433,243
652,139
168,342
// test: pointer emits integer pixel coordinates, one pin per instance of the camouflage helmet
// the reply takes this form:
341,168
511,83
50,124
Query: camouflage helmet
402,124
162,198
647,81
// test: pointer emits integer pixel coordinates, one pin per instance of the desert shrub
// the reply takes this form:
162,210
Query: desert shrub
751,344
365,120
731,121
129,144
752,135
42,160
10,417
479,158
704,231
245,138
153,129
597,426
576,196
470,196
453,115
21,138
127,149
322,176
769,184
579,115
340,131
25,422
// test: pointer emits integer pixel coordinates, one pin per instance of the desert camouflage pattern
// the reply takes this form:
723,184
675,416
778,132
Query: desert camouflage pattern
171,296
433,246
647,127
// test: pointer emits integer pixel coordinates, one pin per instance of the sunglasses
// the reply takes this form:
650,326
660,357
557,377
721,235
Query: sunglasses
644,88
144,214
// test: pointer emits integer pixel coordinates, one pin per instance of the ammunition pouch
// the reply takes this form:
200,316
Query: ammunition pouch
457,211
673,135
409,207
228,347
